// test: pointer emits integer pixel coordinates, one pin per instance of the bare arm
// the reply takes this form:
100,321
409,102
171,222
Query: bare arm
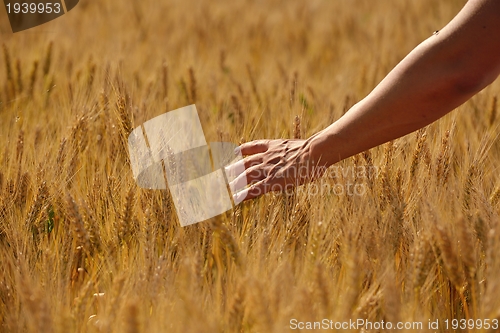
440,74
437,76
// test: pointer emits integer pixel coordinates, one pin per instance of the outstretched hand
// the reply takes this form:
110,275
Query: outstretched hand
272,165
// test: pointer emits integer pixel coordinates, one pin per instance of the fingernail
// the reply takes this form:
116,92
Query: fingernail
237,151
240,196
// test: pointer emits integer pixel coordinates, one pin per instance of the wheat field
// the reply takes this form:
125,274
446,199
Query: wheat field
84,249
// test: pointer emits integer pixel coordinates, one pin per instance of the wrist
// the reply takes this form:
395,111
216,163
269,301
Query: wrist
323,148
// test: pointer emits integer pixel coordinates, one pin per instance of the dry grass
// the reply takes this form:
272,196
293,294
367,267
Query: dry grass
84,250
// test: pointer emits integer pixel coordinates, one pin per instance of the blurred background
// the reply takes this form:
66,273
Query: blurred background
83,249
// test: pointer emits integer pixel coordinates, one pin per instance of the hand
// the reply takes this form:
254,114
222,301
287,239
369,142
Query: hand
272,165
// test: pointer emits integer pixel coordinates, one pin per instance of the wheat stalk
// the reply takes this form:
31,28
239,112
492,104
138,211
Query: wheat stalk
37,207
48,60
442,162
125,227
493,111
78,227
192,86
296,128
253,85
450,259
20,146
8,65
33,77
22,190
421,137
19,76
293,89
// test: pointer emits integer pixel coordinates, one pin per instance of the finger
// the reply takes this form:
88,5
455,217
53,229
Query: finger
256,190
251,192
240,196
238,184
254,147
250,176
235,169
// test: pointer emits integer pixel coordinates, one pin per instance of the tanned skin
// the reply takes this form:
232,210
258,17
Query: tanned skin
440,74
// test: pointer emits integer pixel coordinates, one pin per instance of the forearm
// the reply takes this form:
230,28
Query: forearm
416,93
436,77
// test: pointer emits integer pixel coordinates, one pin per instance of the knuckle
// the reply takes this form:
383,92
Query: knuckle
252,161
